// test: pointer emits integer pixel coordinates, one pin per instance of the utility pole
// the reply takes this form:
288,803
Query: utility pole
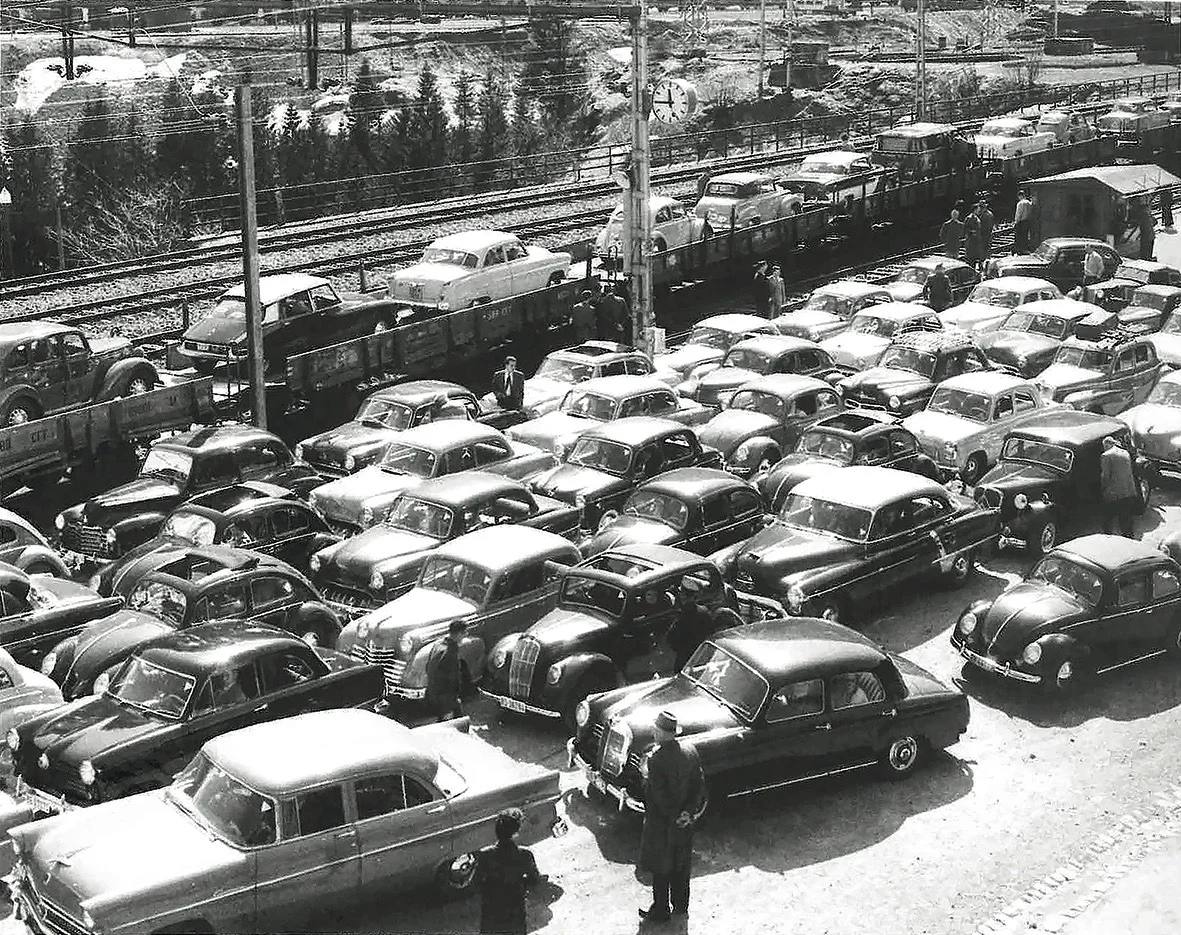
920,63
1055,19
637,222
67,24
762,44
250,261
791,47
348,31
313,51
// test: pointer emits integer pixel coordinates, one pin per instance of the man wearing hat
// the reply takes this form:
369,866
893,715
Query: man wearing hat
674,793
503,871
444,674
762,289
584,317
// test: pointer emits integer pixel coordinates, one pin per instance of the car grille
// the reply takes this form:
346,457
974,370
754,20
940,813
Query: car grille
520,673
56,919
615,752
371,654
992,498
87,539
862,401
350,597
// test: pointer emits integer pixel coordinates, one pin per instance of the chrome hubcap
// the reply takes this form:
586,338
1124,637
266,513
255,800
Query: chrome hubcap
461,869
18,417
311,638
959,567
903,753
1066,671
763,468
831,613
136,387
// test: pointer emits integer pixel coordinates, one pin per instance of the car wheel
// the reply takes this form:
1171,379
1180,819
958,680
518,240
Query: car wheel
204,366
1067,676
962,567
769,459
659,245
974,469
20,411
455,877
902,756
139,383
586,686
1044,539
1144,491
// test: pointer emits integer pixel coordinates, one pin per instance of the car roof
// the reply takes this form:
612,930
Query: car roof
498,547
216,437
986,382
215,563
933,341
1111,553
663,559
1151,265
837,156
417,392
859,422
732,321
694,482
773,343
854,287
273,757
897,311
1070,309
1076,241
13,333
593,351
786,384
1071,427
1158,288
233,497
277,286
472,240
866,487
740,178
447,433
919,129
15,519
803,647
634,430
1009,121
622,385
930,262
1018,283
207,647
465,487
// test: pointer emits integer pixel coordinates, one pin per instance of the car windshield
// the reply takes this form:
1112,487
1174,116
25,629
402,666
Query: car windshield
745,359
955,402
828,446
601,455
907,358
1046,251
1088,358
825,517
191,527
1070,577
1052,326
758,401
160,600
865,323
454,577
833,304
1038,452
1166,393
717,338
590,592
231,308
588,405
450,257
420,516
167,463
1132,274
650,504
386,414
984,294
406,459
1154,300
564,371
1003,129
152,688
916,274
225,806
730,680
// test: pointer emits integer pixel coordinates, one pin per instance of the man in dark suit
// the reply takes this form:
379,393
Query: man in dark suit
503,871
674,794
508,386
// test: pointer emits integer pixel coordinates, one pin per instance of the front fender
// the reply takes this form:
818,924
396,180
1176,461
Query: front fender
1056,647
724,558
13,812
136,530
574,668
120,369
40,555
472,653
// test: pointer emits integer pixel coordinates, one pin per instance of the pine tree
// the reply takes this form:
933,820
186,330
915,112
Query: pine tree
492,130
463,135
172,137
428,128
265,140
366,104
525,136
555,75
34,184
92,157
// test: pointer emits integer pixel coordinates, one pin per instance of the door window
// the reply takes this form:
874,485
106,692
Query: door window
891,520
284,669
1131,590
827,400
216,469
5,679
637,365
808,361
1023,401
495,256
1126,361
11,605
269,591
7,534
662,403
73,345
744,502
381,795
229,688
228,601
463,459
289,521
1165,583
677,449
901,445
713,510
520,582
614,369
320,810
925,510
491,452
635,406
798,699
1143,356
851,689
324,297
1004,407
876,451
18,358
514,251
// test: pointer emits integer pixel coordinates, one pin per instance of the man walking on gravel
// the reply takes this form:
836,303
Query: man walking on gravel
1022,223
1118,485
973,246
952,235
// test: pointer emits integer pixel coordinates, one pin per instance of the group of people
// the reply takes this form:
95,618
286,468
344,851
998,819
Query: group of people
606,315
972,235
769,289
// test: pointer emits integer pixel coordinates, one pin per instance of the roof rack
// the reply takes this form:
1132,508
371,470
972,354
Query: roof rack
1099,326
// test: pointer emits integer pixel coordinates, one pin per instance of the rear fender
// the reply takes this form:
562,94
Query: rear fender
121,370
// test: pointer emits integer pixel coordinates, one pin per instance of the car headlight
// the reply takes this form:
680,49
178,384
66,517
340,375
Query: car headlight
968,623
376,581
60,521
895,402
13,739
1032,654
299,451
1021,501
364,628
102,683
350,463
559,449
582,713
49,663
367,517
406,644
795,598
499,658
112,537
554,675
86,773
316,563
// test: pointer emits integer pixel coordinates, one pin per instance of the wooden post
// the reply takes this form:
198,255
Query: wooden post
250,259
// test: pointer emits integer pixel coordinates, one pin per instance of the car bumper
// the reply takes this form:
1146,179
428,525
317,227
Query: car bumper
218,352
595,780
520,707
1003,669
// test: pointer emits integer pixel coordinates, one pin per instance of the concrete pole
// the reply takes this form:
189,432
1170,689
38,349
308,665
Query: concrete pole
637,221
920,77
250,259
762,44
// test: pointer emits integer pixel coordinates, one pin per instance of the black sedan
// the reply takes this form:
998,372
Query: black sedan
1027,341
1090,605
1057,259
770,704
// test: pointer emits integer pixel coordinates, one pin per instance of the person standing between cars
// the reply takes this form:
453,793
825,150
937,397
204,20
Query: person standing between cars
762,289
1092,267
444,674
987,223
694,624
503,873
952,235
1166,208
973,249
1022,222
508,385
614,310
937,289
1118,485
584,317
674,793
1147,231
777,291
703,183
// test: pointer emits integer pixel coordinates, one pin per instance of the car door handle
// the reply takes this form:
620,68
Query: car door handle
890,712
435,809
823,727
263,706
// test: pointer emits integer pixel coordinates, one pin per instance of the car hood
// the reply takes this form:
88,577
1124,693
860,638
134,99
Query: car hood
1019,261
106,641
1023,613
542,389
1015,477
1007,346
941,426
904,291
565,626
1060,376
143,494
730,428
344,499
854,348
967,315
716,204
726,378
543,431
567,481
1168,346
780,550
351,438
888,381
85,729
433,273
631,530
799,322
696,711
358,556
686,357
216,330
1152,419
418,607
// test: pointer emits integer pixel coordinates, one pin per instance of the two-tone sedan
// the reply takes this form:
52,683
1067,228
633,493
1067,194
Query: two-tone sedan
830,308
765,418
1091,605
966,422
770,704
1029,337
871,331
909,283
755,357
560,370
383,562
989,303
604,399
844,539
1156,424
359,501
744,199
707,343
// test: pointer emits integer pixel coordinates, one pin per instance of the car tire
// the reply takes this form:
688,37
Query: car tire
455,878
204,366
767,460
974,469
1043,539
138,382
902,756
960,573
19,411
1067,676
555,279
589,684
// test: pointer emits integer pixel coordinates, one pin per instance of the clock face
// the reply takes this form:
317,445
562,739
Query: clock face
673,101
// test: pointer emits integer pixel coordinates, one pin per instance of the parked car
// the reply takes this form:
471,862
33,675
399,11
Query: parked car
966,422
194,587
990,302
851,437
177,468
1047,479
610,626
46,366
770,704
671,225
383,416
1058,259
764,418
359,501
921,150
253,515
1115,293
1090,605
872,330
1168,340
838,177
744,199
1149,311
707,343
830,308
36,612
496,580
844,539
1156,424
383,562
24,693
910,369
1067,126
255,817
1131,116
23,545
701,510
560,370
299,313
1102,371
609,461
1028,339
1010,137
476,267
751,358
907,285
605,399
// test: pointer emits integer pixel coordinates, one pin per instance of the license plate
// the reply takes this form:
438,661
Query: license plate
983,661
513,705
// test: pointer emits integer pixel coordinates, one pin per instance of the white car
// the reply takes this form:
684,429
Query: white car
1009,137
745,199
991,301
1131,115
560,370
871,331
707,343
672,227
837,175
476,267
830,308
